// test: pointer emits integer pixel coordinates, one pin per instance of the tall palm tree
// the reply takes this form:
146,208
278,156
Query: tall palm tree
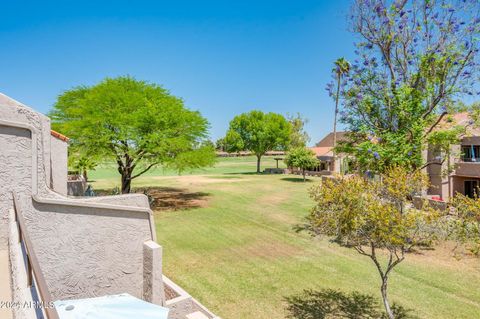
342,67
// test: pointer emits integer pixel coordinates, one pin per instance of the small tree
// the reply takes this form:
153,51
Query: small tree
138,125
466,225
375,218
302,158
259,133
83,164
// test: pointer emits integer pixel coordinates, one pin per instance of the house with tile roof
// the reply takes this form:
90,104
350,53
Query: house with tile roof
459,172
324,152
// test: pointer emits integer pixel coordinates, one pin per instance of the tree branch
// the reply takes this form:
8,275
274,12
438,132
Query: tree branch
145,170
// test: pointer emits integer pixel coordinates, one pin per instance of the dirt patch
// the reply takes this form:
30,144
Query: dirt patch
270,250
274,198
171,198
447,254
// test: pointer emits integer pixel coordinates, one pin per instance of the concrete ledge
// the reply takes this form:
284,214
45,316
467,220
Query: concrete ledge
184,304
152,273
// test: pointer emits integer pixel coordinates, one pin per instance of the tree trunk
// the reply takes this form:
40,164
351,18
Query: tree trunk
126,183
383,289
85,175
258,163
335,123
303,173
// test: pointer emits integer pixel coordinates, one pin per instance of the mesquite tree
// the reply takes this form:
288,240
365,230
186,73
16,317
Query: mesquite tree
375,218
415,59
136,124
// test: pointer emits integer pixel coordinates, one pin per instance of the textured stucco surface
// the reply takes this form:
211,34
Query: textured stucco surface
15,171
87,252
152,273
83,251
58,165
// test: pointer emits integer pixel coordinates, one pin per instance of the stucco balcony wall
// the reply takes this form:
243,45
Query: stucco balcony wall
467,169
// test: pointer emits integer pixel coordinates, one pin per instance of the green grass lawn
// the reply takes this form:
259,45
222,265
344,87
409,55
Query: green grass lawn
238,254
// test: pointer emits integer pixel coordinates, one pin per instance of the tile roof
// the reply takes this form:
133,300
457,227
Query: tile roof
322,151
59,136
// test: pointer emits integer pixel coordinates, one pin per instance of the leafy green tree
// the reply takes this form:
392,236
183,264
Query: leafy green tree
302,158
299,137
137,124
414,60
259,133
375,218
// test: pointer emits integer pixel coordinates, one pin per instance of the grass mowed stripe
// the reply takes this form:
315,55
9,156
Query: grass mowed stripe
239,254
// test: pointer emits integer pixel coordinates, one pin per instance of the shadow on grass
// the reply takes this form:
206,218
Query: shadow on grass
296,179
169,198
330,303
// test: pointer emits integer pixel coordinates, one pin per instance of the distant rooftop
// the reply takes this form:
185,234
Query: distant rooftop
327,141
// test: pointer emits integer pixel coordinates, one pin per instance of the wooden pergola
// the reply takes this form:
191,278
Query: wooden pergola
278,159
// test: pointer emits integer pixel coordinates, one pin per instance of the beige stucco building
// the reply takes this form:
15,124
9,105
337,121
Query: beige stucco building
324,152
460,172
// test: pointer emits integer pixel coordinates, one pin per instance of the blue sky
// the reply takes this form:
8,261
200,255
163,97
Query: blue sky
222,57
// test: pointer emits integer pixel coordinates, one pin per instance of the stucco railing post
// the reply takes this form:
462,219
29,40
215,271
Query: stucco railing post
153,290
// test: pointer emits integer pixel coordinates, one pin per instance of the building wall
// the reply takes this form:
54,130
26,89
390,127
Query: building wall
85,248
15,171
471,140
16,144
58,165
88,251
447,185
458,183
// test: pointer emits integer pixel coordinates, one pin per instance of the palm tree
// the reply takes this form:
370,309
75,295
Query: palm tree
83,164
342,67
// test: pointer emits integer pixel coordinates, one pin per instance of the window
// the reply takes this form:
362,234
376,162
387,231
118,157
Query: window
471,153
471,188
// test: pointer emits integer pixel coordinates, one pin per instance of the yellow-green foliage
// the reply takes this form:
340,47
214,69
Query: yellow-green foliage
466,225
356,211
369,215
